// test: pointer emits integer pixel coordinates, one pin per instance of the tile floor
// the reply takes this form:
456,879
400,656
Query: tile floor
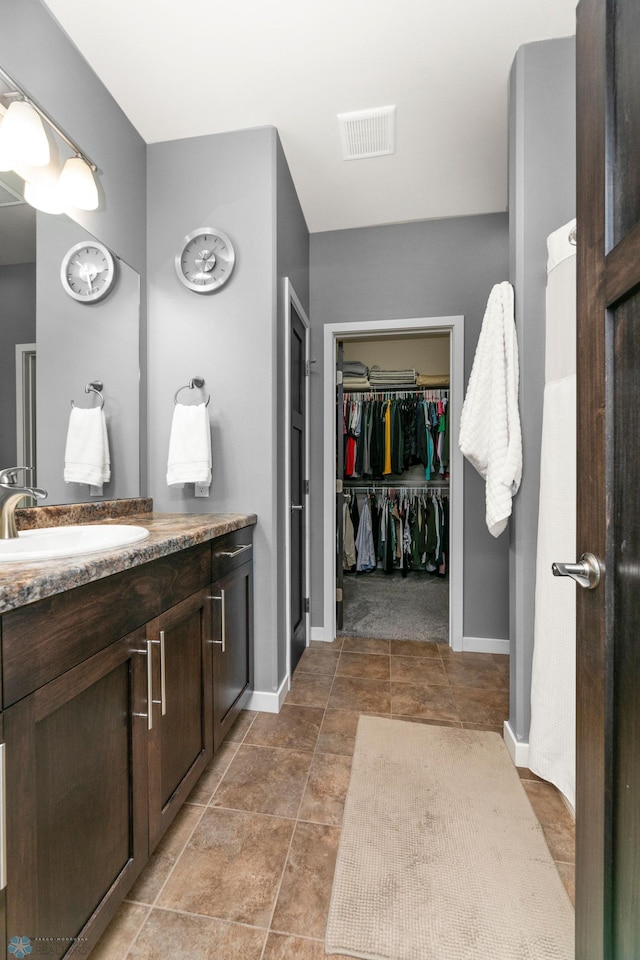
245,870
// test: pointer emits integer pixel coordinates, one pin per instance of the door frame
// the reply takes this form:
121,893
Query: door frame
290,298
23,406
454,326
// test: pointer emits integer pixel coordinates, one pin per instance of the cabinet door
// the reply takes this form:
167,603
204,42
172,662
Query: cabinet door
232,642
76,799
3,834
180,734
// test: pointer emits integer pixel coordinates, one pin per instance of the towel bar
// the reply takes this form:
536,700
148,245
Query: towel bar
96,386
195,382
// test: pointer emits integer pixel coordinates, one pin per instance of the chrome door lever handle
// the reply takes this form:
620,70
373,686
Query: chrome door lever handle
587,573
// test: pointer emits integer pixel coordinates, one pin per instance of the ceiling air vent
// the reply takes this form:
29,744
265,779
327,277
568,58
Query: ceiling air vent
368,133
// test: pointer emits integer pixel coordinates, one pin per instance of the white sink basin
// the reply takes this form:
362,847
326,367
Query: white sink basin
52,542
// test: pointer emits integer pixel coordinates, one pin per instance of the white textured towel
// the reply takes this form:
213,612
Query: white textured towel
189,458
490,435
86,456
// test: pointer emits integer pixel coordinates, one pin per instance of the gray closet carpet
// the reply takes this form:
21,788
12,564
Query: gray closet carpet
393,607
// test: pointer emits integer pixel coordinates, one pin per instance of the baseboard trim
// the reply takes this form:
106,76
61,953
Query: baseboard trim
485,645
317,634
518,749
268,701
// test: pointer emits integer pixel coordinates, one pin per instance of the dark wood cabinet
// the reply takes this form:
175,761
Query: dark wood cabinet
180,729
106,734
76,798
232,642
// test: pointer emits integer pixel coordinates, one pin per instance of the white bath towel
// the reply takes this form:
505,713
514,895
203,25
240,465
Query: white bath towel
189,458
490,434
86,456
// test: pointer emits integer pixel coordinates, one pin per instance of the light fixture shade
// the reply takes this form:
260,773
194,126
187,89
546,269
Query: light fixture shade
6,157
22,135
77,185
44,196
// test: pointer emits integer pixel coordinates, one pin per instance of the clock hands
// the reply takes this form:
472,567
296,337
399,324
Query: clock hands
88,272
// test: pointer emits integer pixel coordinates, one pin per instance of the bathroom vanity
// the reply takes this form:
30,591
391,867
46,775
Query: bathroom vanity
122,672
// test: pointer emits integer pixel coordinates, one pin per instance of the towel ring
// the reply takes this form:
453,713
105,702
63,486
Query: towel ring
196,382
96,386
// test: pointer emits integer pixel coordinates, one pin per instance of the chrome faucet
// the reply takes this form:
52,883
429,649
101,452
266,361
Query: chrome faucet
11,493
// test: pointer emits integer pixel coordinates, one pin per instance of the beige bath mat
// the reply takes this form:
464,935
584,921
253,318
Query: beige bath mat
441,856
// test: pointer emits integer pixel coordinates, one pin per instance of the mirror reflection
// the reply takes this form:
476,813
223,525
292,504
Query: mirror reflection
52,346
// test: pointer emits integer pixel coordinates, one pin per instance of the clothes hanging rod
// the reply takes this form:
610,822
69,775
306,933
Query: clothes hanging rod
364,392
413,488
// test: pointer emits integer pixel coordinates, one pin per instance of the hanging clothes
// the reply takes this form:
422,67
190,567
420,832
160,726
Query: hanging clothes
366,555
402,529
386,437
349,546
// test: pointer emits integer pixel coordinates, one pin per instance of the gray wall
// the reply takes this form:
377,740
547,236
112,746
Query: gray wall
43,60
226,181
420,269
77,343
17,325
292,261
542,188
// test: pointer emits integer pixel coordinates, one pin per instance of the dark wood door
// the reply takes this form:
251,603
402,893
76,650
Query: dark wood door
232,641
339,484
608,652
76,799
181,736
298,576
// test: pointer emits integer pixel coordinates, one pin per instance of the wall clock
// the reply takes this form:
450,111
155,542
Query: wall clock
88,271
206,260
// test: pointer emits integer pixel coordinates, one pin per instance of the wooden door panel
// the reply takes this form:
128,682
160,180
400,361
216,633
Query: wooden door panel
76,798
297,576
624,31
182,736
233,663
608,663
180,739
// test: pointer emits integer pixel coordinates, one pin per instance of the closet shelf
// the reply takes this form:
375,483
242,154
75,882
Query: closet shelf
402,389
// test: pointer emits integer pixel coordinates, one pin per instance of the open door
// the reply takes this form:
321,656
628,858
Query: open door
339,494
608,617
298,506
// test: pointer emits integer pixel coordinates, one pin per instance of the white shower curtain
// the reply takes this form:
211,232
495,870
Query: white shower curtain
552,732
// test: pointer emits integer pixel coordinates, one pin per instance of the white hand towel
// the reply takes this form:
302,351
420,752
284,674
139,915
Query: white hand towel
490,434
189,459
86,456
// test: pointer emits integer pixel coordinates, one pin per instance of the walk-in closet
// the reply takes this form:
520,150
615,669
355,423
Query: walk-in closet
393,506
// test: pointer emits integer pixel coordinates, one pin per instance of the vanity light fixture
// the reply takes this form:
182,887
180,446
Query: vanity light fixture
22,135
43,196
77,186
22,142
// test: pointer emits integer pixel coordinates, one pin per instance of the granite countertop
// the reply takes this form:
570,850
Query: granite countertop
25,582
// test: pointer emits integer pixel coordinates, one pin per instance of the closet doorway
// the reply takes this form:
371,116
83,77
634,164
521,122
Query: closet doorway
407,595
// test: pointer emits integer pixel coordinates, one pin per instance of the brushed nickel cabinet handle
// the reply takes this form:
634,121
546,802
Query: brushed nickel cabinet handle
148,716
163,676
149,686
3,816
222,643
234,553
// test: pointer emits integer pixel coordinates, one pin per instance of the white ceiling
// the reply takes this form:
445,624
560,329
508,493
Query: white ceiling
187,69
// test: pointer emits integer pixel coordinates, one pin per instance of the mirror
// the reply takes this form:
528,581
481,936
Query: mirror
75,343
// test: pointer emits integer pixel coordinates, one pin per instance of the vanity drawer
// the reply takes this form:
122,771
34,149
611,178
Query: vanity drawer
45,639
230,551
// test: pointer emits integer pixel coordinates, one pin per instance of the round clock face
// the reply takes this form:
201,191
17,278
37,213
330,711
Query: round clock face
206,260
88,271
